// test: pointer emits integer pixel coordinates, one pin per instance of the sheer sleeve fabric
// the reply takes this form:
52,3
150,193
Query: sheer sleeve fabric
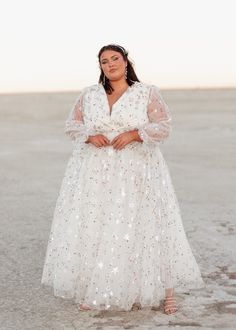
74,125
159,126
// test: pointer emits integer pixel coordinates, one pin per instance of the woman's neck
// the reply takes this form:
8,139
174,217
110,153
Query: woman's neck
119,85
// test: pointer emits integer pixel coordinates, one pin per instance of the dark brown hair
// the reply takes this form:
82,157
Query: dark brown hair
131,75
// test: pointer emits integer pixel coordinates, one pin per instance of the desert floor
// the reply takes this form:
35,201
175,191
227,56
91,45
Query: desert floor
201,156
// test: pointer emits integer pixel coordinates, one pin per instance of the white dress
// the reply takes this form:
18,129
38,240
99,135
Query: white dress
117,236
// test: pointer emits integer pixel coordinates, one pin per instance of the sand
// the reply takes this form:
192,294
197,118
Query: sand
201,157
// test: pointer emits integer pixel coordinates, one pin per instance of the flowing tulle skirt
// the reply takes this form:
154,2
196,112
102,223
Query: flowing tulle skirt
117,235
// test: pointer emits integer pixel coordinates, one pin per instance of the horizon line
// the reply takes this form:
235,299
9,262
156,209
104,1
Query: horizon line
52,91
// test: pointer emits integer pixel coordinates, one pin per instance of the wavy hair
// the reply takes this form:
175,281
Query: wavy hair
131,75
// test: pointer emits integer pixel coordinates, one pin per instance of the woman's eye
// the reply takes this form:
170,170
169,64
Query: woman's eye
114,59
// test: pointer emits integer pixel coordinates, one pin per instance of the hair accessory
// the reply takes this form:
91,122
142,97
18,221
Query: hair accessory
122,48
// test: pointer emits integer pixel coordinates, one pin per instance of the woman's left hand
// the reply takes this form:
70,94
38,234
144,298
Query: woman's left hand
121,140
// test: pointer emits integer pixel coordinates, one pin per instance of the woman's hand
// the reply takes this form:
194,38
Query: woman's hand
121,140
98,140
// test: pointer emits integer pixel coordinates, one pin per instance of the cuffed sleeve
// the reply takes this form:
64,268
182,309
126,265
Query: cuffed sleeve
159,126
74,125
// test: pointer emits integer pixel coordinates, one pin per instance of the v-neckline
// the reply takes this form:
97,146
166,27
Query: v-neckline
110,109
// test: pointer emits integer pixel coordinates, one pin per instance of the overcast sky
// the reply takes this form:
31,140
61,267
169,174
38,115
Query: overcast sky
52,45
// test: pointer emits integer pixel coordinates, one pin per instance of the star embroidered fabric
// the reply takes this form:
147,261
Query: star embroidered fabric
117,235
159,126
74,126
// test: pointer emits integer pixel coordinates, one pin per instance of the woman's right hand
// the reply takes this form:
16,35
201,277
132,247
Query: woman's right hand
98,140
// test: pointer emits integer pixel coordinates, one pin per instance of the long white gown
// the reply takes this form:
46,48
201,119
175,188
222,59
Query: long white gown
117,236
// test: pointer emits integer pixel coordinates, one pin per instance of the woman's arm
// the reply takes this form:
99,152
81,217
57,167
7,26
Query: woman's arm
74,125
159,126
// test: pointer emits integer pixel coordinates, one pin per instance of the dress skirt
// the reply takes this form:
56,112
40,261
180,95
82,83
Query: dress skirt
117,235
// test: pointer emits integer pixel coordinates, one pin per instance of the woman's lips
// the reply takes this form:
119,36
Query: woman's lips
112,70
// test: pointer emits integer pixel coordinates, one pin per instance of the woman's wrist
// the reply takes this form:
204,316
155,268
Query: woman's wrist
136,136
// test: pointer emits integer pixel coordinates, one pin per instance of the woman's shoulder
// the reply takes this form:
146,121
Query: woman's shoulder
146,86
90,89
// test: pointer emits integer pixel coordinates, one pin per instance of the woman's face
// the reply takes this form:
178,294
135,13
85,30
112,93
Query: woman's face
113,64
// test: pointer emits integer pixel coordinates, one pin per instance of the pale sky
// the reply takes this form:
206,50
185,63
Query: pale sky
52,45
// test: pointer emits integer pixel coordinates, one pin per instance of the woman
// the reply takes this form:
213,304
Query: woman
117,239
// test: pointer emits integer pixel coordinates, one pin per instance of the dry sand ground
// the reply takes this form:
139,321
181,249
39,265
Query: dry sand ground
202,161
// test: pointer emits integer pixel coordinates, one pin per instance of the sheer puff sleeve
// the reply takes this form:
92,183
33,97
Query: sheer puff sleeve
159,126
74,125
